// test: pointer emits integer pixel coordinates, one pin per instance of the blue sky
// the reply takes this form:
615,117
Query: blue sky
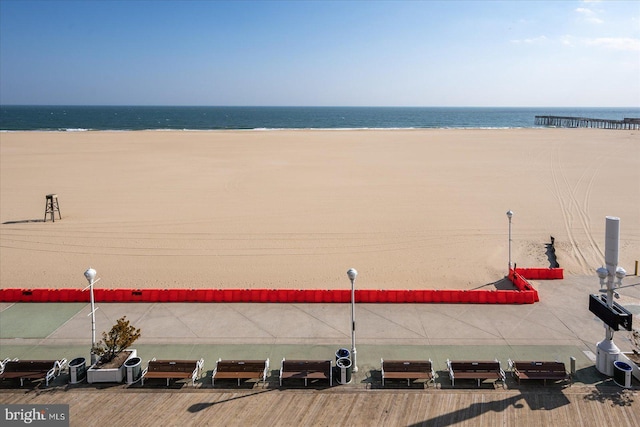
431,53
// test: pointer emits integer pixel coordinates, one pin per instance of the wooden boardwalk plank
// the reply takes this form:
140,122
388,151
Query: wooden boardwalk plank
585,406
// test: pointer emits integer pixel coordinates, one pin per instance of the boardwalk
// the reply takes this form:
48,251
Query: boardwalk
584,122
558,327
535,406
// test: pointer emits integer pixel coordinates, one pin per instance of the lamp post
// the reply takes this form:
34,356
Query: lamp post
90,275
352,273
510,215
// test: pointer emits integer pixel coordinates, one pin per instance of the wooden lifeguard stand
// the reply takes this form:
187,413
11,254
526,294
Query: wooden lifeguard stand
51,207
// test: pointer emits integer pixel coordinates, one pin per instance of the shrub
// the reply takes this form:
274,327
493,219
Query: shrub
119,338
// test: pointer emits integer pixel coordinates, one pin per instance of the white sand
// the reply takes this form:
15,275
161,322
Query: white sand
296,209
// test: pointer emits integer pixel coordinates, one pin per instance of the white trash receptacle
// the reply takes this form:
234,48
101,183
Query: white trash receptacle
77,370
133,367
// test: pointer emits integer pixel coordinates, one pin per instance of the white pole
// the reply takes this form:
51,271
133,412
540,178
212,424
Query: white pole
509,215
93,317
352,273
90,275
611,249
607,351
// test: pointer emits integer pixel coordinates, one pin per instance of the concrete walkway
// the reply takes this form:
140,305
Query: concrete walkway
559,327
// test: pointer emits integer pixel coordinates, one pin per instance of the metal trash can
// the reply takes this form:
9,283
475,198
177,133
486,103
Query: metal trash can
343,366
133,367
77,370
622,374
342,353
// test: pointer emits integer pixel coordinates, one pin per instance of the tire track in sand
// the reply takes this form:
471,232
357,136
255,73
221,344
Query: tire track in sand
575,214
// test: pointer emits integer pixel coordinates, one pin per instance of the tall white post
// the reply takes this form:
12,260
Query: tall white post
509,215
352,273
90,275
607,351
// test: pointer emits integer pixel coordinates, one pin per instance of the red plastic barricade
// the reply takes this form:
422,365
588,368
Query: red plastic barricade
541,273
327,295
447,296
28,296
206,295
401,296
416,296
471,297
389,296
482,296
9,295
189,296
99,295
501,297
163,295
76,295
135,295
526,294
50,295
436,296
115,295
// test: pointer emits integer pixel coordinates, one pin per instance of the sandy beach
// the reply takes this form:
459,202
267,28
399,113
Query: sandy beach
410,209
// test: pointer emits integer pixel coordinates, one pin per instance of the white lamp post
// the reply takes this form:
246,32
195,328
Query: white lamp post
352,273
510,215
90,274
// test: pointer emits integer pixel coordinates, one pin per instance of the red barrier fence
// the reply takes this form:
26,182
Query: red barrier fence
526,294
446,296
541,273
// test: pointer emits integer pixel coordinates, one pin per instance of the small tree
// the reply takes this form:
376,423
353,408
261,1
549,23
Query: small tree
119,338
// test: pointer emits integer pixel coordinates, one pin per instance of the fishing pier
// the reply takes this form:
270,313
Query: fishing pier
583,122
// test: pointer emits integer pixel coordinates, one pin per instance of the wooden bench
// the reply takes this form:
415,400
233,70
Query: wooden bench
534,370
306,369
32,369
407,370
476,370
241,370
173,369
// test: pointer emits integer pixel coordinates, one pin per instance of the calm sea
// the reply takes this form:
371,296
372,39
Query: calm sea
81,118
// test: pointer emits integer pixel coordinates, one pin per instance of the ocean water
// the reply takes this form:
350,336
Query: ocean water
83,118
